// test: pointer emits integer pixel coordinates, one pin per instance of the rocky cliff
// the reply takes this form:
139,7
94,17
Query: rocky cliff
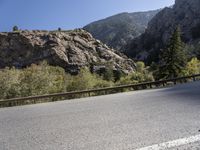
68,49
185,13
117,30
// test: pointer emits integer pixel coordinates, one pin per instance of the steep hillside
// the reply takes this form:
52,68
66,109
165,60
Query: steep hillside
185,13
117,30
68,49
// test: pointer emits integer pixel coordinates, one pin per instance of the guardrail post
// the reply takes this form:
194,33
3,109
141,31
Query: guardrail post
163,83
194,79
174,82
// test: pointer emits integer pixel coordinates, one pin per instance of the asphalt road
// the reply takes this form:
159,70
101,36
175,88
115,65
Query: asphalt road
126,121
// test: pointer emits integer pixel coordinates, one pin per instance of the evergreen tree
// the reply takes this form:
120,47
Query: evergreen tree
173,58
15,28
198,51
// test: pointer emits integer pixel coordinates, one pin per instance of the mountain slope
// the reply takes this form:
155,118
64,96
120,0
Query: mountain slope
117,30
185,13
71,50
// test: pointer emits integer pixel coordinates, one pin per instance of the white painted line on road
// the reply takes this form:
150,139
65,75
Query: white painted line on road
172,144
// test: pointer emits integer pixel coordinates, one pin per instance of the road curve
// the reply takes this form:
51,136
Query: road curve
125,121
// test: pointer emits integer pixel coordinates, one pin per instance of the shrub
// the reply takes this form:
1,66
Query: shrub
108,74
140,66
34,80
142,74
85,80
9,83
42,79
193,67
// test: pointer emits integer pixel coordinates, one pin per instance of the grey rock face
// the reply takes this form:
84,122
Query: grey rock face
71,50
185,13
116,31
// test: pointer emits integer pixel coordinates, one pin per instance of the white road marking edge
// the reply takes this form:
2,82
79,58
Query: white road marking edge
172,144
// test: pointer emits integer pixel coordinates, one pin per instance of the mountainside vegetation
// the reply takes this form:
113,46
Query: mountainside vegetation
45,79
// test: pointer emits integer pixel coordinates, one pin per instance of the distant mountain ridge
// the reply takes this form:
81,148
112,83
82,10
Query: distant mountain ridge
185,13
116,31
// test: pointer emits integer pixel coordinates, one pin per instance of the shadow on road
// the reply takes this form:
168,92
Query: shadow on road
186,92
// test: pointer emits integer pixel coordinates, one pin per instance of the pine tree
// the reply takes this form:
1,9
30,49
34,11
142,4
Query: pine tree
173,58
59,29
198,51
15,28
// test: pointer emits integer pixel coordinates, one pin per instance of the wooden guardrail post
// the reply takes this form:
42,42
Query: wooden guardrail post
150,85
175,82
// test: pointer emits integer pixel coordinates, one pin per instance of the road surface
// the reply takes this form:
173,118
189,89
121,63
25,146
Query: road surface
151,119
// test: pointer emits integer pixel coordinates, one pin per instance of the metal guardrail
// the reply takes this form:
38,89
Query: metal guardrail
51,97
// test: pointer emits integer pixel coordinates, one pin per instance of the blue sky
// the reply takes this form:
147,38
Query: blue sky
67,14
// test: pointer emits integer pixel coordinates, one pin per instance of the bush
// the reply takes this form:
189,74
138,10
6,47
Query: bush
9,83
192,67
42,79
34,80
142,74
140,66
108,74
86,80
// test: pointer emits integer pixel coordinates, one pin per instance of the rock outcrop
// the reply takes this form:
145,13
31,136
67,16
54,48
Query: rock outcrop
70,50
185,13
117,30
